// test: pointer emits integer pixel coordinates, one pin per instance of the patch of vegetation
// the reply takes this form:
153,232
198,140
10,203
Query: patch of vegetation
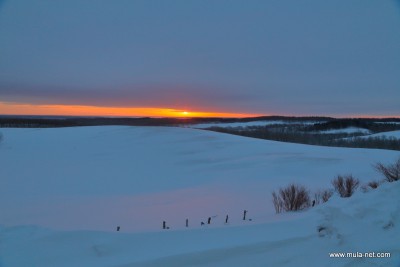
296,197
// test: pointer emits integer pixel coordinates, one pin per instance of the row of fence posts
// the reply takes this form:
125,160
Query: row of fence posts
164,224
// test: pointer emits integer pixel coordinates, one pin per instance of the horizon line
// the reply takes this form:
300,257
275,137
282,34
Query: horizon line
23,109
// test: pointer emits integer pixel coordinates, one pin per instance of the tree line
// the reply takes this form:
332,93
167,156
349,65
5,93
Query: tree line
303,135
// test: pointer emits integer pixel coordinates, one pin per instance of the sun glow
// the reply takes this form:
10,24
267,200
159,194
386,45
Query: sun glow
7,108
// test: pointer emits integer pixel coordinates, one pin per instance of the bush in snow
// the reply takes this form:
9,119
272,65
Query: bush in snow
391,172
345,185
322,196
291,198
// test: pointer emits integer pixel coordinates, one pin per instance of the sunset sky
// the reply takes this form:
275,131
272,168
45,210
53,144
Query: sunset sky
200,57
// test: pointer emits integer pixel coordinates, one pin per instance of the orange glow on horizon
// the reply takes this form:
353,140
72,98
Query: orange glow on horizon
79,110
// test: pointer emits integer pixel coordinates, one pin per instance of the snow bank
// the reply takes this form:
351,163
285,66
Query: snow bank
367,222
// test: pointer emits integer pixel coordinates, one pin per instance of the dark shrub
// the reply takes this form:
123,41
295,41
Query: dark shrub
391,172
345,185
291,198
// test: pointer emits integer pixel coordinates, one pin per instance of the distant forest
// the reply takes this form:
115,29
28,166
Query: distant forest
311,133
66,121
59,121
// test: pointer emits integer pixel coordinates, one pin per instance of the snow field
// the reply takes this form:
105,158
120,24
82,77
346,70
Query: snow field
64,191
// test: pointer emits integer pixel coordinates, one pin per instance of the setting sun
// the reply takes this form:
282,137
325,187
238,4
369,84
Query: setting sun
78,110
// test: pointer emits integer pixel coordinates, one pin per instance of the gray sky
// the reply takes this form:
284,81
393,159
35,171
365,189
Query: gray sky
272,57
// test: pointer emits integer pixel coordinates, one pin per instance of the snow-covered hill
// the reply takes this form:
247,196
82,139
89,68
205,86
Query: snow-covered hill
348,130
391,134
64,191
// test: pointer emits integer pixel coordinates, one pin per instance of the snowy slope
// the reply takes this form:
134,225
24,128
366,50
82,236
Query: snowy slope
75,185
391,134
347,130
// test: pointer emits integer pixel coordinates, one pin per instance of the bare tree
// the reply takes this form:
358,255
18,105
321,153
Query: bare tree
345,185
391,172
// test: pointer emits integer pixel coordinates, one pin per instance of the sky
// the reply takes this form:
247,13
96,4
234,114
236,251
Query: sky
205,57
